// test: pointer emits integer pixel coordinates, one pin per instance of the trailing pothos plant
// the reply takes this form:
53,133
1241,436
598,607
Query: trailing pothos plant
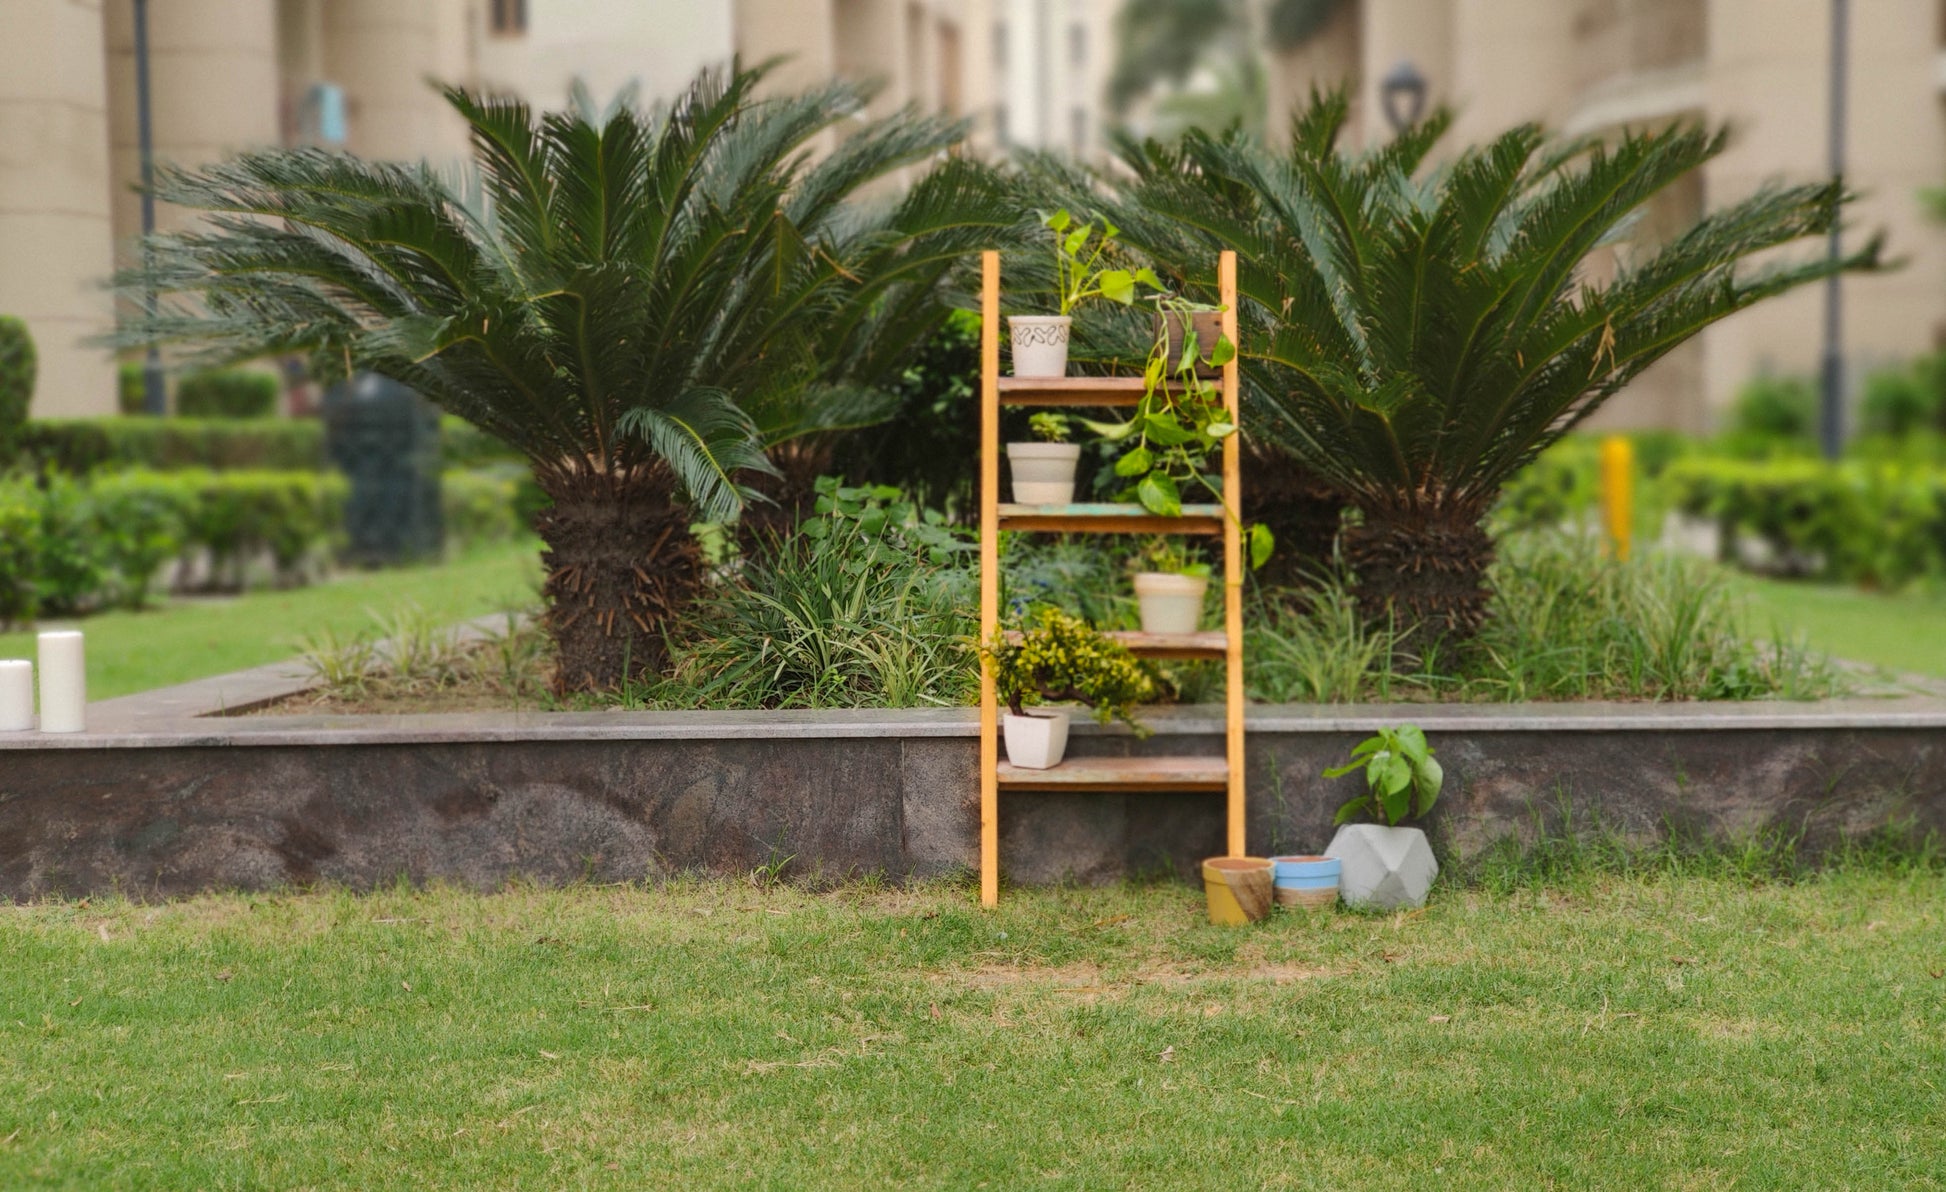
1401,778
1059,656
1079,272
1178,425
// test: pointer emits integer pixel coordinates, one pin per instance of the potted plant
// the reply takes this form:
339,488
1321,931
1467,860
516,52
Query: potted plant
1043,470
1180,421
1058,656
1040,342
1384,865
1169,587
1307,880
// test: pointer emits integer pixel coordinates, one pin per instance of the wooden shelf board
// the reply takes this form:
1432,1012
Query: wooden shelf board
1101,518
1212,643
1121,774
1070,391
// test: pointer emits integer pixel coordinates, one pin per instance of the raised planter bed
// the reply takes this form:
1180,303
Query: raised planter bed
162,798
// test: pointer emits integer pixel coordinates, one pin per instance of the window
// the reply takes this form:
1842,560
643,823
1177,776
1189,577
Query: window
1078,46
1000,123
1078,129
507,18
999,49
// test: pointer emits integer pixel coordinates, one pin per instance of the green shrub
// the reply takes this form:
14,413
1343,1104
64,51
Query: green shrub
478,506
18,368
79,446
20,548
1877,524
1899,402
1772,415
463,445
131,389
227,393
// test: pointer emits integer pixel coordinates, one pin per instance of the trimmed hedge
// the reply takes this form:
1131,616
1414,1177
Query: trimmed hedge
79,446
70,546
1867,523
227,393
19,367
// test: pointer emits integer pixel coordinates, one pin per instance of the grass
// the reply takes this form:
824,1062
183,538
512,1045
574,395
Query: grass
1663,1031
1904,632
191,639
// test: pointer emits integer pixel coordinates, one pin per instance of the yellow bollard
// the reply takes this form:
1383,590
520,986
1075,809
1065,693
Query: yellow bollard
1618,492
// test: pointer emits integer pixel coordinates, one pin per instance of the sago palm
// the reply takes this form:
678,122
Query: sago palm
1414,336
644,302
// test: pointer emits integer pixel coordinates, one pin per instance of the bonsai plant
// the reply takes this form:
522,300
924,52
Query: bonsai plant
1385,865
1170,584
1040,342
1058,656
1043,470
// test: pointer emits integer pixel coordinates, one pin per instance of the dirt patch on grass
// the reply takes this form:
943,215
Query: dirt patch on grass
1088,978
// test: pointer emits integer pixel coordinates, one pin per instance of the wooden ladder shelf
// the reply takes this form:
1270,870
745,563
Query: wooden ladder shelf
1209,774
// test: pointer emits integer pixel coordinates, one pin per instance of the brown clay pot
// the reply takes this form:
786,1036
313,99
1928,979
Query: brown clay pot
1208,325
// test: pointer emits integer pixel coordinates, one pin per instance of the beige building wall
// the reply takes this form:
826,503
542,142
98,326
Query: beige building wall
55,237
656,46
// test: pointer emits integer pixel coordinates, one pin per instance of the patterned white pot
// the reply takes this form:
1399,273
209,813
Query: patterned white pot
1043,472
1037,740
1170,603
1040,344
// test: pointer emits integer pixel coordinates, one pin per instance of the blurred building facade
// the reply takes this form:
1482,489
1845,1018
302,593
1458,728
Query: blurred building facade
1761,66
229,75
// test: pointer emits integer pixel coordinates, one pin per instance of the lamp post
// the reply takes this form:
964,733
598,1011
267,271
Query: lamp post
1832,374
154,400
1403,94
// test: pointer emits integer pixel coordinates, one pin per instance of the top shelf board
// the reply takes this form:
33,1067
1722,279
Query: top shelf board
1070,391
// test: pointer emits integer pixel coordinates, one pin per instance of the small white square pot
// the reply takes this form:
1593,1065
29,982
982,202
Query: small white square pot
1043,472
1037,740
1170,603
1040,345
1383,867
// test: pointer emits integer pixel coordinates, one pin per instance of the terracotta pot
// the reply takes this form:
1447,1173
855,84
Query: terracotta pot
1170,603
1040,344
1238,889
1036,741
1209,328
1043,472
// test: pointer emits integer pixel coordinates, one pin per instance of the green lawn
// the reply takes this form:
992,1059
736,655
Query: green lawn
1671,1032
1904,632
190,639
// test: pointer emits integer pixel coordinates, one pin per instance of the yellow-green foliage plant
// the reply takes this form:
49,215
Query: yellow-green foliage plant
1059,656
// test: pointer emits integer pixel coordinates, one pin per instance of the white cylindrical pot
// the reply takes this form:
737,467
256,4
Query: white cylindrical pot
1043,472
1037,740
64,682
1040,345
16,695
1170,603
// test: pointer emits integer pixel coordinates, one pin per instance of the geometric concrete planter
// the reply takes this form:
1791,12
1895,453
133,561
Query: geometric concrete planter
1383,867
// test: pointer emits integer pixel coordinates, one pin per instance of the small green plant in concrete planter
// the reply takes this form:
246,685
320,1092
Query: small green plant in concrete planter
1385,865
1043,470
1055,657
1170,583
1082,271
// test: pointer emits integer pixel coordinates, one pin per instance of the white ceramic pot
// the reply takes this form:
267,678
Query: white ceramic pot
1037,740
1043,472
1040,345
1383,867
1170,603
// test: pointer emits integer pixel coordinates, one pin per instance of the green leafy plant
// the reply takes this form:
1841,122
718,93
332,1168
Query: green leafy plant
1050,427
646,303
18,368
1414,337
1078,270
1401,778
1058,656
227,393
1168,553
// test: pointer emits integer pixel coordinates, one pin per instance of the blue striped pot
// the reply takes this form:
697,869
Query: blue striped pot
1306,881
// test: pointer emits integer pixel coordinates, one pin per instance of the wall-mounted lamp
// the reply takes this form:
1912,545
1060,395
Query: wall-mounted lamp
1403,91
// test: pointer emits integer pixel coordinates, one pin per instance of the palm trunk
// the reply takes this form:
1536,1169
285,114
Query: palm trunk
793,493
1301,510
1425,570
621,563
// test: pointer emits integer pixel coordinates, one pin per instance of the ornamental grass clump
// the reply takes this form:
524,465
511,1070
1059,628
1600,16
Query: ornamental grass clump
1059,657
